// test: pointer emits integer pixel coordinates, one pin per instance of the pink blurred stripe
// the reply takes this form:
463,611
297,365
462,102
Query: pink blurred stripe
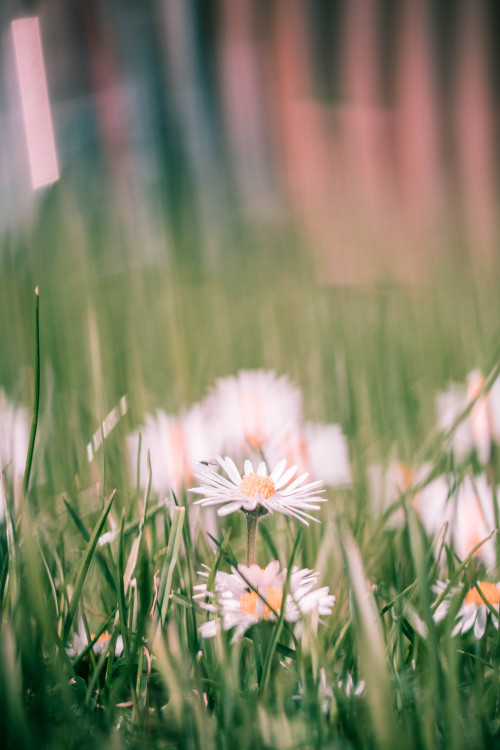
417,140
35,101
299,131
474,130
106,75
242,99
364,122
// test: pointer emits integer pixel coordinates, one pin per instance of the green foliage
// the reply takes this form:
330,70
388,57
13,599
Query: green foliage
370,359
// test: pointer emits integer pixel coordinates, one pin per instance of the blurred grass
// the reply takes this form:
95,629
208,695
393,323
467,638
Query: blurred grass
161,333
370,358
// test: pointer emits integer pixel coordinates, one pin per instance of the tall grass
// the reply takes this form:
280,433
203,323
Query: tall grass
371,359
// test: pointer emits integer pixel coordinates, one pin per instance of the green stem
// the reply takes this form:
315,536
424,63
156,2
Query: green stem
252,521
36,402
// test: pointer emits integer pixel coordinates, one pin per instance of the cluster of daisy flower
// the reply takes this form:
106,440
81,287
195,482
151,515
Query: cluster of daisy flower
463,503
249,593
250,415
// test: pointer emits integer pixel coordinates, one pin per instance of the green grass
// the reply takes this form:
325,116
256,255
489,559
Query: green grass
371,359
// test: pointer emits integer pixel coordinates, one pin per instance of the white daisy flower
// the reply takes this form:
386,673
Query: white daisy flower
473,612
80,642
14,439
473,519
468,511
350,687
241,605
320,449
258,490
467,508
482,424
255,409
176,444
388,483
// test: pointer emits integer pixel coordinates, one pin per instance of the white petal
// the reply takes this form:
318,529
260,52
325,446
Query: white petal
286,477
262,469
480,624
229,508
232,471
278,470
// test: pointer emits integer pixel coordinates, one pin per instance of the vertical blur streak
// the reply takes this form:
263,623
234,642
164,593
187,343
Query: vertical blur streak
364,121
243,103
35,101
364,129
417,145
298,126
192,115
112,117
474,137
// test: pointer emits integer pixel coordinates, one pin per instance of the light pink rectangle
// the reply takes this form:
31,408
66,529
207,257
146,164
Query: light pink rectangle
35,101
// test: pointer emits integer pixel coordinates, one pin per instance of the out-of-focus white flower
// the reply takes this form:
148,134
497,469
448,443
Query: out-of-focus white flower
254,410
387,484
14,440
319,449
326,694
350,687
240,605
176,444
257,489
162,437
473,612
473,519
467,509
482,424
80,642
434,505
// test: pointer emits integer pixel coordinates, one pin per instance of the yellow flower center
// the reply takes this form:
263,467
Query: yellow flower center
407,475
253,484
273,595
490,593
103,638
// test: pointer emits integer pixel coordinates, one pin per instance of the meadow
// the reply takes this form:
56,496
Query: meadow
100,636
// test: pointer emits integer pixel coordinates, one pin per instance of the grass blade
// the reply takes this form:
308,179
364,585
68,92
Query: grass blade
174,543
85,565
371,649
266,669
36,399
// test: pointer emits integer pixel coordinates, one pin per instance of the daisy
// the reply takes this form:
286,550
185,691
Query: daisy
473,519
387,484
257,491
468,511
80,642
473,612
321,450
482,424
250,594
350,687
14,439
176,444
255,409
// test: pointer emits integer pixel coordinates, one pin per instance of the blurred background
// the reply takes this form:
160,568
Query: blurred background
304,186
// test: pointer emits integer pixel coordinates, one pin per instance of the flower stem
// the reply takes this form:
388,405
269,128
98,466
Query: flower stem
252,520
36,402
